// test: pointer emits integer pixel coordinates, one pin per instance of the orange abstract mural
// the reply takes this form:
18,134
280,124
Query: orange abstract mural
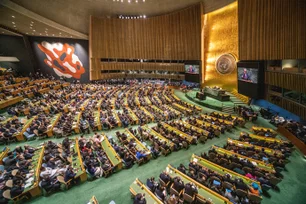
62,59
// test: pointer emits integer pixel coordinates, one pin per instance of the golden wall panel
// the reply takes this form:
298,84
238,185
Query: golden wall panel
220,37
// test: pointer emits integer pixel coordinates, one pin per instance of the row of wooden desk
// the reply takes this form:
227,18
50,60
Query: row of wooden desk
181,134
139,146
10,101
203,194
158,136
248,145
259,164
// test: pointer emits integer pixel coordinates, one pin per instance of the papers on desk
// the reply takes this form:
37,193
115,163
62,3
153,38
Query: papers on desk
28,185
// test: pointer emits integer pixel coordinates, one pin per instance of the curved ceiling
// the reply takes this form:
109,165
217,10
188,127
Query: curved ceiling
70,18
75,13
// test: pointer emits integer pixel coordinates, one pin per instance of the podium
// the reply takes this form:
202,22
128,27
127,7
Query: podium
216,93
201,96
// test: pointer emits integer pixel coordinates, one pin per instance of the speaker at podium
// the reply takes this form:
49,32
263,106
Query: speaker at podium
201,96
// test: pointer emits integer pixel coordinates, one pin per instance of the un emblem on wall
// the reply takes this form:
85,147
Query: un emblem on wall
226,63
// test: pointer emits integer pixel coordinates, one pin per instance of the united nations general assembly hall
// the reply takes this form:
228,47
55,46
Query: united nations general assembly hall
153,101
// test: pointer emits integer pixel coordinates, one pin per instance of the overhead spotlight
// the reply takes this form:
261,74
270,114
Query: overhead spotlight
31,28
13,22
32,22
34,30
27,33
144,16
46,28
52,34
13,16
141,16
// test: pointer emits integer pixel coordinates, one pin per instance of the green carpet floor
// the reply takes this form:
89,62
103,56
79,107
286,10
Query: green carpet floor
292,188
208,101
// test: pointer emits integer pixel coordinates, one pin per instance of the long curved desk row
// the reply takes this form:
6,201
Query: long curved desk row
97,120
139,145
218,119
221,170
203,192
192,127
207,124
54,121
245,144
182,108
266,139
111,153
138,187
19,135
260,164
159,136
183,135
10,101
147,113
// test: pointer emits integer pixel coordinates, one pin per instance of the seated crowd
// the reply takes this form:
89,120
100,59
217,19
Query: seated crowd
17,171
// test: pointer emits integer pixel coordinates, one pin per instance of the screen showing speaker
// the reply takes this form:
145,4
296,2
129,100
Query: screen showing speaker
192,69
249,75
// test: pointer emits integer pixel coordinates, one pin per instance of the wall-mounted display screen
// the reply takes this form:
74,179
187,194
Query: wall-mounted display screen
248,75
251,80
192,69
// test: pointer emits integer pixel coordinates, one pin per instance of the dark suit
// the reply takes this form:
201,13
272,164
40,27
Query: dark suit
164,177
139,200
190,190
69,175
16,190
241,186
178,185
150,185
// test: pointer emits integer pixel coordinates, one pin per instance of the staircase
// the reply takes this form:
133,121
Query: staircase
228,109
237,98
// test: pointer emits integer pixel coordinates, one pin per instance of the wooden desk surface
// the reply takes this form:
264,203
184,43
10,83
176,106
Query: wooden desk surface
202,190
